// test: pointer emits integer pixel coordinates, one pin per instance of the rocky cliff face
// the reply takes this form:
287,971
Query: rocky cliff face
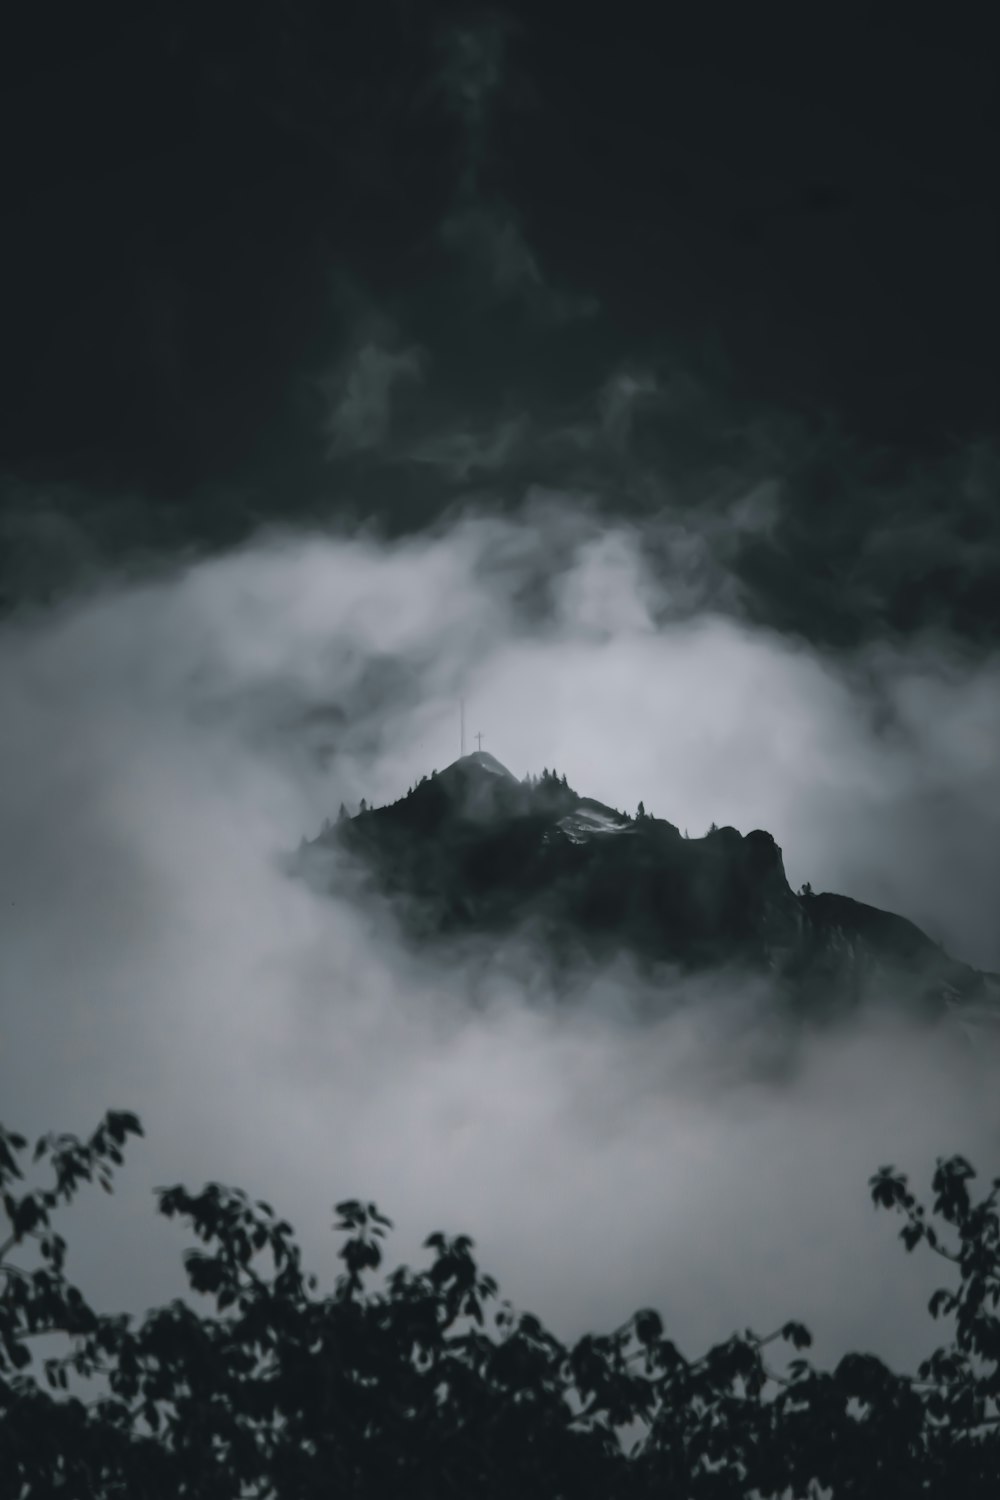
475,850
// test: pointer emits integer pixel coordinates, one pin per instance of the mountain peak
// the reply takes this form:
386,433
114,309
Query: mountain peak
479,760
478,786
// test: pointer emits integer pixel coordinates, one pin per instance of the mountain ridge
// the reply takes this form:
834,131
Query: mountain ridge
472,849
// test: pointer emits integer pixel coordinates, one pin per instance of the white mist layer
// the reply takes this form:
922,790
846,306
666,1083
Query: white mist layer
163,746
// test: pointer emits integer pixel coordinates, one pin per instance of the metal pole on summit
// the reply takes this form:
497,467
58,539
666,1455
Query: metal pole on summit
462,710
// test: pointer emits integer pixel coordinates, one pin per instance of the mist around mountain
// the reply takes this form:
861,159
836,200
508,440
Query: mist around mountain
475,850
162,748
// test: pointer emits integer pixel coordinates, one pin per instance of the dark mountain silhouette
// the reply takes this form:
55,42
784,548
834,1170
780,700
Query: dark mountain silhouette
474,850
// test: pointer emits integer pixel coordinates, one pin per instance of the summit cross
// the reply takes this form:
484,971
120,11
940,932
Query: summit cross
479,740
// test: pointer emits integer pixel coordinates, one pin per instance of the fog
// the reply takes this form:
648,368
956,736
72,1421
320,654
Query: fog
164,744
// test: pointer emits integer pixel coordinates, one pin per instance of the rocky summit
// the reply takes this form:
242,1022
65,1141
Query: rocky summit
474,850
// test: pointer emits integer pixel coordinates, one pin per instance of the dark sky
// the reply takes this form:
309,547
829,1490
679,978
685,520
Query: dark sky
635,378
792,231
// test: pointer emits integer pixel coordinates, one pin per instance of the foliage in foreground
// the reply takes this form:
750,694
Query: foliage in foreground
415,1391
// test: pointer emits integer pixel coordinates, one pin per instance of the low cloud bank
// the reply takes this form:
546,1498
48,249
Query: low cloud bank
164,745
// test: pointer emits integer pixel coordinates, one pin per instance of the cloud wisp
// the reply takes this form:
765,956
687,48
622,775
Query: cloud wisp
360,395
